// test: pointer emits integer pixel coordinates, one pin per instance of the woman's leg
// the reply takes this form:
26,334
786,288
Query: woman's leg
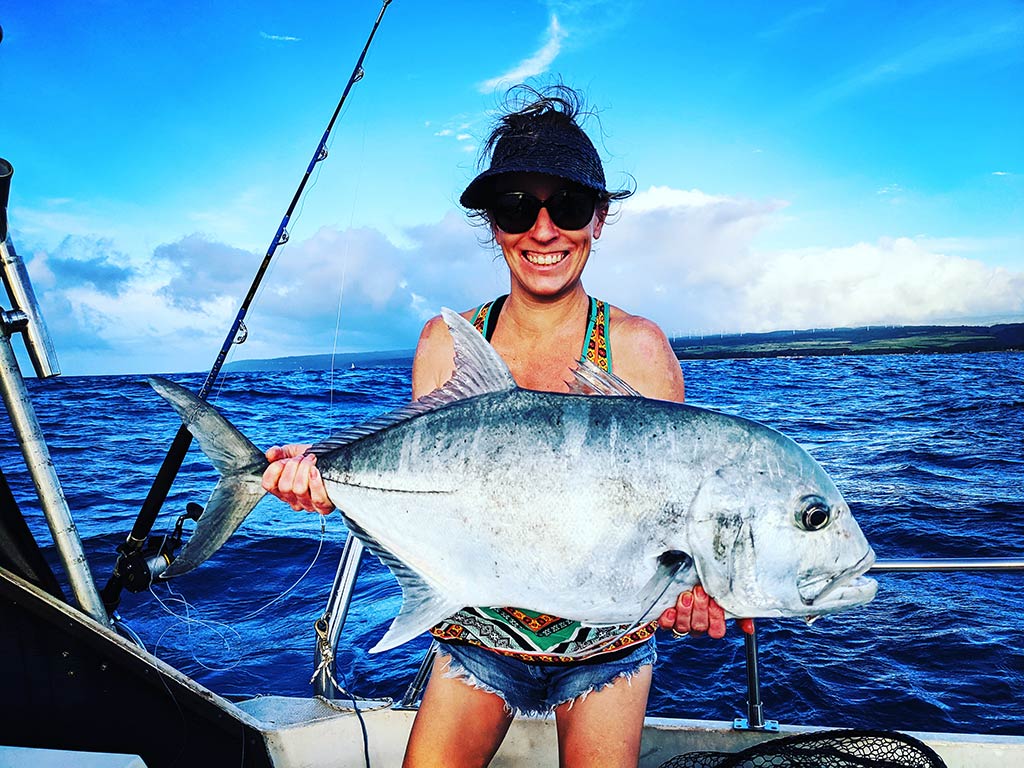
604,728
457,725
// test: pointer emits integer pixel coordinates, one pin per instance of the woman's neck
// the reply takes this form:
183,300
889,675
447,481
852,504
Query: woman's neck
540,316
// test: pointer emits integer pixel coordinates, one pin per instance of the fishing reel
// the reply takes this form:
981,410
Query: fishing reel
137,569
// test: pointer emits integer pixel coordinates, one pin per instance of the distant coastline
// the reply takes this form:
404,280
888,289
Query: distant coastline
871,340
395,358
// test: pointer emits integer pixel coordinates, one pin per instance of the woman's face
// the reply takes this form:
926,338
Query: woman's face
545,260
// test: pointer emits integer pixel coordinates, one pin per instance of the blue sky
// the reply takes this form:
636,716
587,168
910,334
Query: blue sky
797,165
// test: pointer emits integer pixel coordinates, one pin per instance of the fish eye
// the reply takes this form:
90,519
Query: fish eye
814,514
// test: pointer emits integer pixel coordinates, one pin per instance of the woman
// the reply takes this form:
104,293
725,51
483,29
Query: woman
545,201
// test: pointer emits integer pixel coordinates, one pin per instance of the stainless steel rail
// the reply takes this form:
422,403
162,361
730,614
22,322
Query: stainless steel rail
755,714
949,564
40,467
335,614
755,719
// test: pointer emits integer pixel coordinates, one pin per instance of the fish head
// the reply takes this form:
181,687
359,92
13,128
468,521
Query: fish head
771,535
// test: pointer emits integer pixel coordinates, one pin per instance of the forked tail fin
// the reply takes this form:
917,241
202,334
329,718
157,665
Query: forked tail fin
240,463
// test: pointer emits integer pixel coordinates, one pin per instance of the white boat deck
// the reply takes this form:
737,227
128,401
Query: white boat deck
306,732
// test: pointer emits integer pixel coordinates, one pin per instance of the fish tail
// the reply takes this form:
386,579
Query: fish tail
240,463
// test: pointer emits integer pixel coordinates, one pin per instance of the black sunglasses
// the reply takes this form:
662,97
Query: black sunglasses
516,212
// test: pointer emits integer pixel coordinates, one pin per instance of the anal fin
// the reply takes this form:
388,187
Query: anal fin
422,608
422,605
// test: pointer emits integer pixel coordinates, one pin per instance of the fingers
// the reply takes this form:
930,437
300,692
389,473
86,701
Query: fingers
290,451
716,620
696,613
318,493
294,478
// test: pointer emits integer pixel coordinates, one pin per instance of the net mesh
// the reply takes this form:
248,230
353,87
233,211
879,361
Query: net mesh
825,749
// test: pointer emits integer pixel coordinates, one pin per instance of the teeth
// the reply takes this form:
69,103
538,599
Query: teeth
544,259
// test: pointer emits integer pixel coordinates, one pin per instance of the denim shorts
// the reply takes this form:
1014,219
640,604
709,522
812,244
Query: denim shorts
536,688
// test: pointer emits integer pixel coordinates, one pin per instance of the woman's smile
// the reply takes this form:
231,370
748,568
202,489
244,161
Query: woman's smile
548,259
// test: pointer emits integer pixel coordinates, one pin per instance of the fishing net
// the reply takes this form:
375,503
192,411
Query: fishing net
826,749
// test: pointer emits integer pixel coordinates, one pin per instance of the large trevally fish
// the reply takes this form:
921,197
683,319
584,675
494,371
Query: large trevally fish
596,509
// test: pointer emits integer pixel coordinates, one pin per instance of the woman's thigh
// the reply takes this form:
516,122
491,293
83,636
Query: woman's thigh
604,727
457,724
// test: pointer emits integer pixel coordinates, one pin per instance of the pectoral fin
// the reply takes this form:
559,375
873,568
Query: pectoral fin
675,571
674,568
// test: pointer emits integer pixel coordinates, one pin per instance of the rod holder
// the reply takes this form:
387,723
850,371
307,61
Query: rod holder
754,721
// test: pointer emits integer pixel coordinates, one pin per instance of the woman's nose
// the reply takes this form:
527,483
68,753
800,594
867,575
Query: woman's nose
544,228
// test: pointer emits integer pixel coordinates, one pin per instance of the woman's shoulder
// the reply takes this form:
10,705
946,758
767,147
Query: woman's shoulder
643,356
634,327
434,361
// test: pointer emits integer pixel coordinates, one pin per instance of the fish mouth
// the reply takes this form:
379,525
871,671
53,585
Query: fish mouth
848,587
545,259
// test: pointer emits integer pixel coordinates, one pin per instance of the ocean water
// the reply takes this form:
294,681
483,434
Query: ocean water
928,451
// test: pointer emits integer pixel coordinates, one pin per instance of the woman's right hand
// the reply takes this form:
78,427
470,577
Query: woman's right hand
293,477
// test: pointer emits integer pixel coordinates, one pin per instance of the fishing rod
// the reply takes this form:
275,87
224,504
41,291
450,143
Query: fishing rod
139,563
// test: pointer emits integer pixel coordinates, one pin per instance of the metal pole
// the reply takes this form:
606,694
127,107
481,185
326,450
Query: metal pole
40,467
415,689
755,712
337,609
948,564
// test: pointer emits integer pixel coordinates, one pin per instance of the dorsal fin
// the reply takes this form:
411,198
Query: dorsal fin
479,370
590,380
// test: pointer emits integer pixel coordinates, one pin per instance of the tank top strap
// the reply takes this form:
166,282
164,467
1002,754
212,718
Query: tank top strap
485,319
597,346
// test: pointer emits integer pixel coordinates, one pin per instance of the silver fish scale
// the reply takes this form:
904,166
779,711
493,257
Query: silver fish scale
559,500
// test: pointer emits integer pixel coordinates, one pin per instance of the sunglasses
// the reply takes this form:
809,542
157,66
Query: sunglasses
516,212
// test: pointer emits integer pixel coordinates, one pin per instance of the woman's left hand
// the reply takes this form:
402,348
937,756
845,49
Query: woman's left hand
695,613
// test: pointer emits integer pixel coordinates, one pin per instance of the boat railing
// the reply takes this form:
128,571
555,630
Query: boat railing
332,623
25,318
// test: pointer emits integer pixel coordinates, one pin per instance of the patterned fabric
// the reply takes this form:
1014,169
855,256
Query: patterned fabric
529,635
598,350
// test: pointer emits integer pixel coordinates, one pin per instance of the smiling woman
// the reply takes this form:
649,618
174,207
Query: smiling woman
544,199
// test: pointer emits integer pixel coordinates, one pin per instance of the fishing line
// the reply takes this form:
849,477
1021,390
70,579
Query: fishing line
344,275
319,549
189,620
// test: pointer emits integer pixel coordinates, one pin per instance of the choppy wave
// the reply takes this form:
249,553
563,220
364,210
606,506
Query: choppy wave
927,450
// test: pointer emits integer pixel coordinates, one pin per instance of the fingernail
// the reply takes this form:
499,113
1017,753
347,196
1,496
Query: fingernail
687,600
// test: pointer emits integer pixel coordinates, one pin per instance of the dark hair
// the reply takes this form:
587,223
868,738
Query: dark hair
540,132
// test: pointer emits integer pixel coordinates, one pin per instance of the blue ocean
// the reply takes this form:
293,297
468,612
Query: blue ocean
927,449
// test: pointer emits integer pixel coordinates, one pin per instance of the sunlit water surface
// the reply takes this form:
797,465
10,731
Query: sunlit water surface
928,451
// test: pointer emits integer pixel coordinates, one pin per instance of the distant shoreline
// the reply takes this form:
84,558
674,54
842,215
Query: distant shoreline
871,340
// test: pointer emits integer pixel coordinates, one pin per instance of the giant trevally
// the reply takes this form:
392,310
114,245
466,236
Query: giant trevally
595,509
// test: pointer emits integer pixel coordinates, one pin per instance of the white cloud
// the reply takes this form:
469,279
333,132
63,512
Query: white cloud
280,38
537,64
891,281
686,258
690,261
655,198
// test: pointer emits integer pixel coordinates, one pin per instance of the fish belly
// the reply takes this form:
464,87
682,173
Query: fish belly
543,505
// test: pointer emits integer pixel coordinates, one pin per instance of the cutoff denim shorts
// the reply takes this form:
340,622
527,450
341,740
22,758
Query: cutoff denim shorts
536,688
